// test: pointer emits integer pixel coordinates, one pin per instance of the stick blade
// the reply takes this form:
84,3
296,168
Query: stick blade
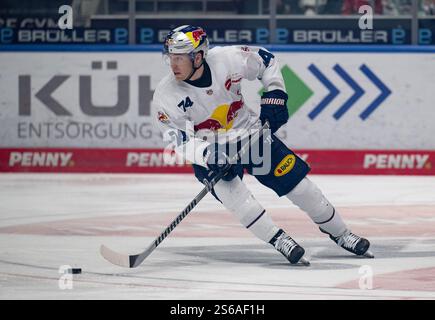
123,260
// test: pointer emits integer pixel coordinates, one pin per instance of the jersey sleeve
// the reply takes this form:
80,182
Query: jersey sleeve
178,131
258,63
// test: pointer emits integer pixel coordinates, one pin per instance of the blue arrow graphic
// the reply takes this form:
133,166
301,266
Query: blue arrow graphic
333,92
354,98
385,92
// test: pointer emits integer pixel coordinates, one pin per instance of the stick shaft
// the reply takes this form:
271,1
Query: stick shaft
133,261
208,187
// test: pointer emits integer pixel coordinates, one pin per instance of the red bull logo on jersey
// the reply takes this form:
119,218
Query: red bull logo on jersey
285,166
233,84
162,117
222,117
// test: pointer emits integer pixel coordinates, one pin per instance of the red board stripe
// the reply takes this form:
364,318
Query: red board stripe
81,160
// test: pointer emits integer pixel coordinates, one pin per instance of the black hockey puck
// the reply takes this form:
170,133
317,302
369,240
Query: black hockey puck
74,270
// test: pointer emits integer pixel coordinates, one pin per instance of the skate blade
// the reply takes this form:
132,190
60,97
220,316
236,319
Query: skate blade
303,261
369,254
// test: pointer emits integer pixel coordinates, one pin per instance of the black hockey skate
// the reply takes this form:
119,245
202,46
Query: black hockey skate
352,243
289,248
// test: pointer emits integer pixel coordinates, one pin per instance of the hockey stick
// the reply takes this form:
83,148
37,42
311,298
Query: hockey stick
132,261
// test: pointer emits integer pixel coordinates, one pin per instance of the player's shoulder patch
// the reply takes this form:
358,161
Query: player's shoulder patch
163,117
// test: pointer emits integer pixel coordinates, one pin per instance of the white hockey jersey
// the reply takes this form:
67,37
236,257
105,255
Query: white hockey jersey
188,115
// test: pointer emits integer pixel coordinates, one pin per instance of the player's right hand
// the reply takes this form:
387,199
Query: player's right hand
274,109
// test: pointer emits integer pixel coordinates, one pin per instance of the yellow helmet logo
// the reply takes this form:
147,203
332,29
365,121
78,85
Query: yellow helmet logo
285,166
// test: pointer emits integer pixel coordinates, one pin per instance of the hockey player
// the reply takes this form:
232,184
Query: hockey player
201,97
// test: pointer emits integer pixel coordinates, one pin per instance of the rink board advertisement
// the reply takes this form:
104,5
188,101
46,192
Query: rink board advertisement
158,161
352,112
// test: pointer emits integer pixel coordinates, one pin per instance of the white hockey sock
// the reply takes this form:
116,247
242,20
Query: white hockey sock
236,197
308,197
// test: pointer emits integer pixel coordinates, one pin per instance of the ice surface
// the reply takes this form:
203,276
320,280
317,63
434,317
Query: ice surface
51,220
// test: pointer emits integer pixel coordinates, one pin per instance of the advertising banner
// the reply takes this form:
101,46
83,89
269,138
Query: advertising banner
294,30
34,29
338,101
221,30
158,161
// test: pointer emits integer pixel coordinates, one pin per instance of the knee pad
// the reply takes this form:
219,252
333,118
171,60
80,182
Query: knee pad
308,197
236,197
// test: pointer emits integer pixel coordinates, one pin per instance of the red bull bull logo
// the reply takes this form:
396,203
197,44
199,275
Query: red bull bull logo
222,117
195,36
162,117
233,84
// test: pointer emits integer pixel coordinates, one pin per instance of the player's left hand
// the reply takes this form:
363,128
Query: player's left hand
218,162
274,109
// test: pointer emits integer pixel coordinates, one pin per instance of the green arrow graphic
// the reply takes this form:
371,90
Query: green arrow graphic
298,92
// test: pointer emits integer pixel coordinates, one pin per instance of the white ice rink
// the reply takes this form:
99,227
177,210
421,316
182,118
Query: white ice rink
50,220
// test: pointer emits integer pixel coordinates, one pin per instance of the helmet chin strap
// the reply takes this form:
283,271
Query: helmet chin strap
194,68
